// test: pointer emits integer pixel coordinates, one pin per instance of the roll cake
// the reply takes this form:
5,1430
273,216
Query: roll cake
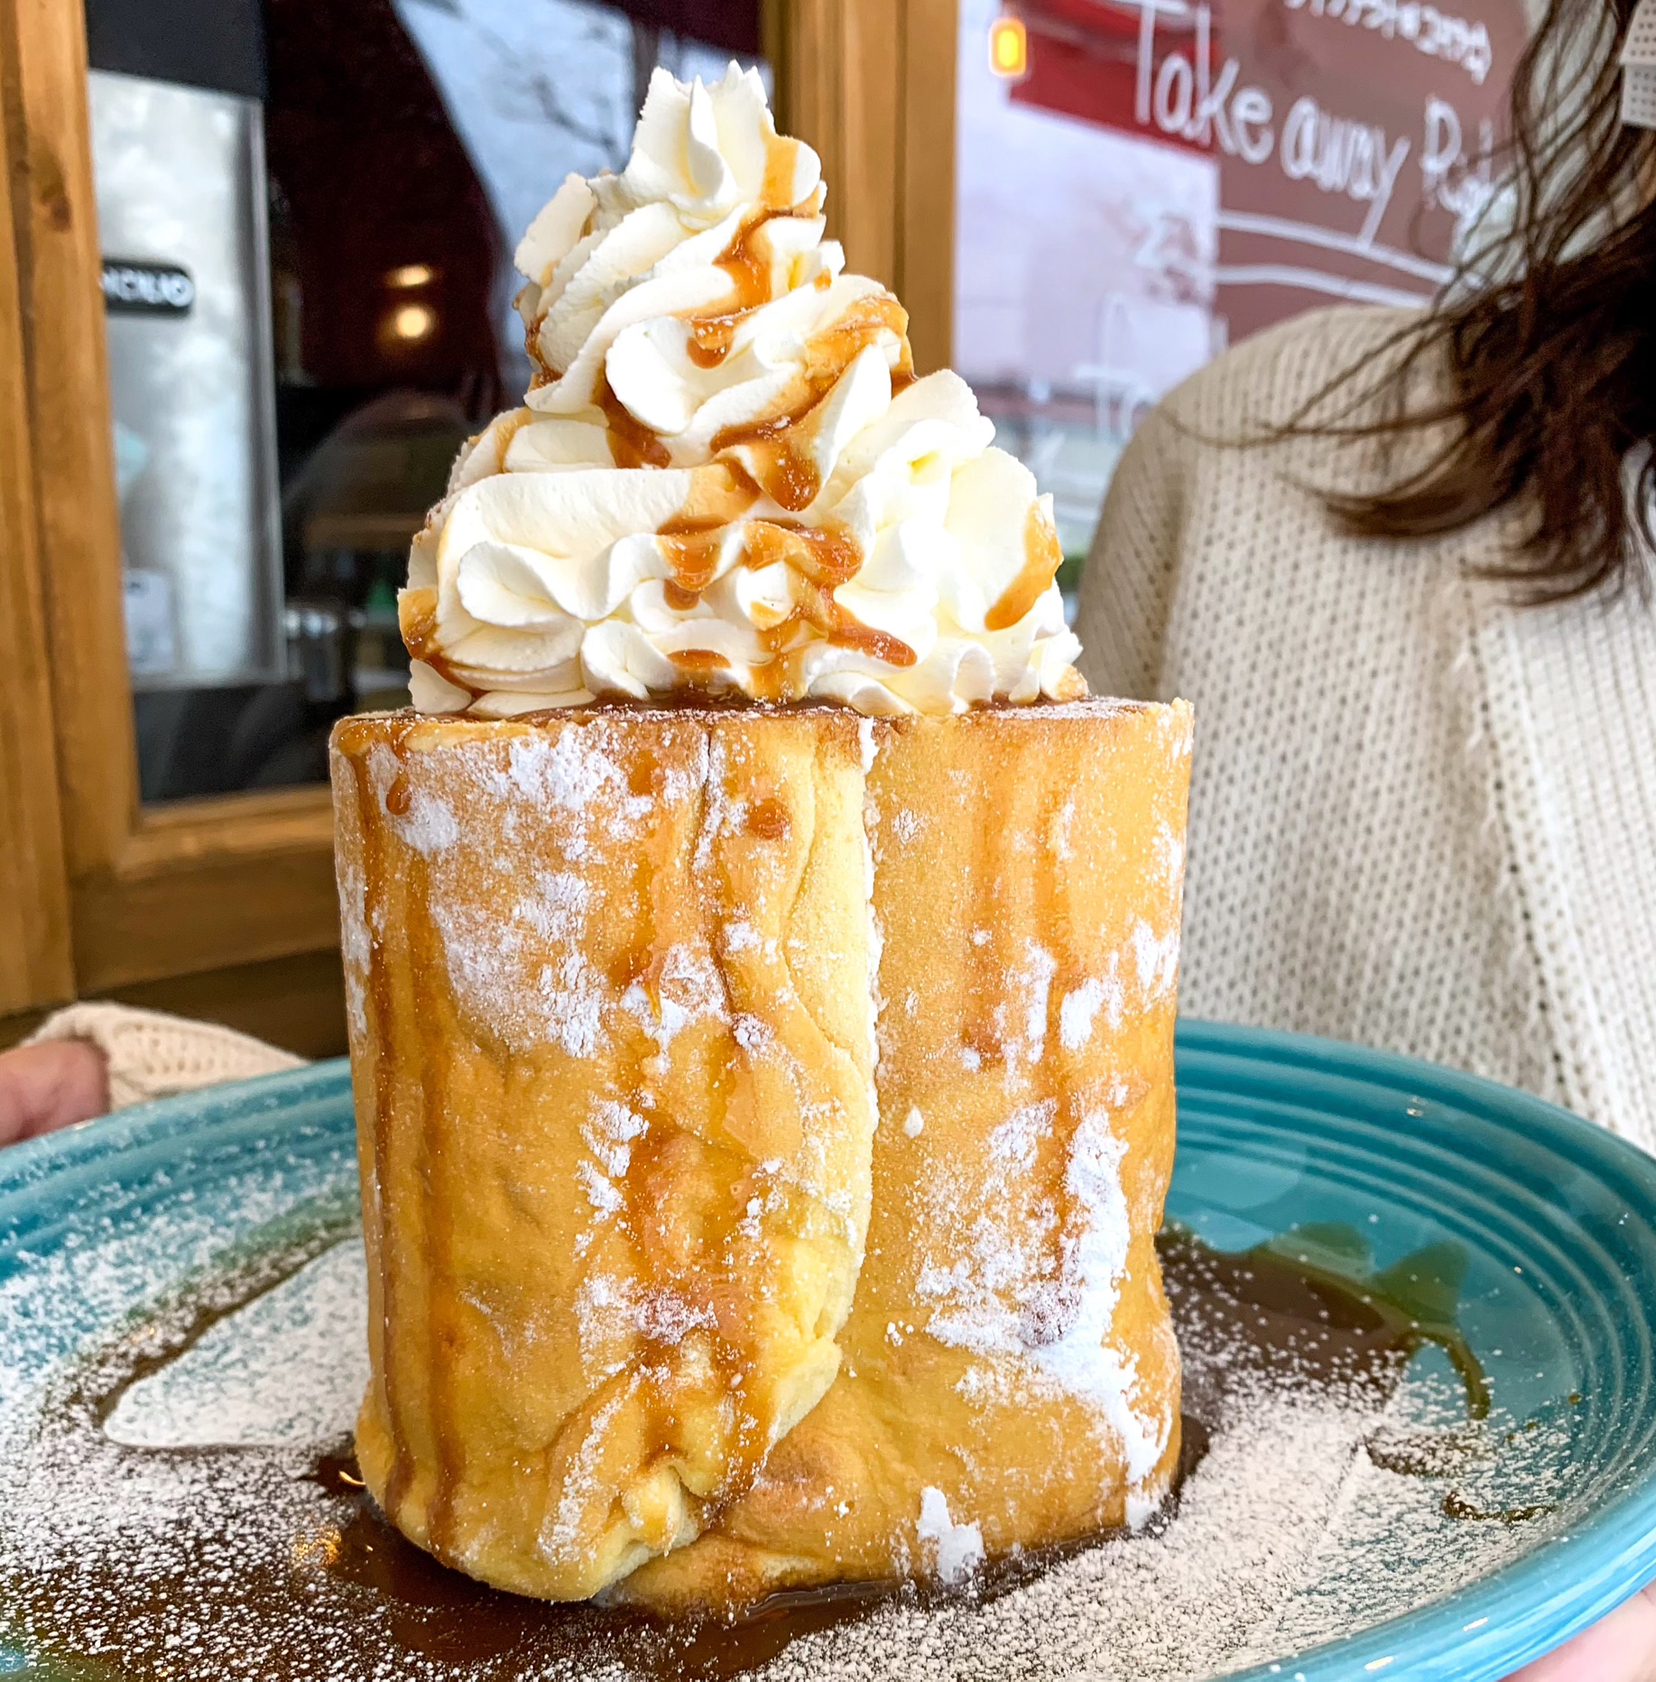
760,953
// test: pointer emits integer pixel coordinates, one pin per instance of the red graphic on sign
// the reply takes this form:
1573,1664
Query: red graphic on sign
1352,137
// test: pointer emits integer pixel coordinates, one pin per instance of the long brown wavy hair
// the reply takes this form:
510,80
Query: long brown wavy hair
1549,334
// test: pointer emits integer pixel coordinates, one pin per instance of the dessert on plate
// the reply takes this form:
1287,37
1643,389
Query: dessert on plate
760,951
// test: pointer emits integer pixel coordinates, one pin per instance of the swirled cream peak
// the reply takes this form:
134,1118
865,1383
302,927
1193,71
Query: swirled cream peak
725,476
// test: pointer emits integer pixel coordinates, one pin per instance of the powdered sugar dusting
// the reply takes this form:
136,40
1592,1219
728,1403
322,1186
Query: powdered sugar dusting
356,944
985,1275
525,974
428,825
1036,977
562,1541
1079,1011
147,1553
1013,1144
689,990
1020,1017
1170,854
1081,1359
1156,958
602,1193
868,742
614,1313
241,1386
529,971
953,1551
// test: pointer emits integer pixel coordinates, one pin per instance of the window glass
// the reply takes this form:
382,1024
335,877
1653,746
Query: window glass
1142,183
308,210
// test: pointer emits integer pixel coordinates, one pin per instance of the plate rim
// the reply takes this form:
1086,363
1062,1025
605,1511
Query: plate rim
1517,1614
1601,1571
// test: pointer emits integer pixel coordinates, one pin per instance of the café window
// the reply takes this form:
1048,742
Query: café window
307,211
1142,183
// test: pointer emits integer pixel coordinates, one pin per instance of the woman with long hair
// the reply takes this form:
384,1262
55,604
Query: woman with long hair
1401,562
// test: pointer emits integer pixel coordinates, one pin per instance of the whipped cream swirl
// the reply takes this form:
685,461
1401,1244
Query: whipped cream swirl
725,476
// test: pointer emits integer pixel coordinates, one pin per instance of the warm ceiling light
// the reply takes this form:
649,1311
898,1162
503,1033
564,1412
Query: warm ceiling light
409,275
1009,48
413,322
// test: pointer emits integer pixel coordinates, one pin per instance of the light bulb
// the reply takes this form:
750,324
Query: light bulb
413,322
1009,48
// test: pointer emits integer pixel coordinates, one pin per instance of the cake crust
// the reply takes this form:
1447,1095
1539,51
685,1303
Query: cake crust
655,1305
613,1071
1010,1376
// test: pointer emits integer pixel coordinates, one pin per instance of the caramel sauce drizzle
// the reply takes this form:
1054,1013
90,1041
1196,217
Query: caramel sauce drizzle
823,557
784,468
541,374
1042,558
748,261
778,453
694,558
769,820
829,554
699,1249
844,630
417,620
711,337
631,442
773,680
748,257
438,1151
382,1147
692,540
410,1137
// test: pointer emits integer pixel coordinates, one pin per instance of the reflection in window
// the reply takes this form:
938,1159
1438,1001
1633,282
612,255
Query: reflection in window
1148,181
405,146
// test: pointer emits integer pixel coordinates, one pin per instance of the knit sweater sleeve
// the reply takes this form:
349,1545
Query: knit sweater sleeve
1210,446
153,1055
1132,571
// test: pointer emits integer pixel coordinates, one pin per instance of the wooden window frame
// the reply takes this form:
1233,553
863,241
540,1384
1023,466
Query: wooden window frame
156,892
871,85
98,893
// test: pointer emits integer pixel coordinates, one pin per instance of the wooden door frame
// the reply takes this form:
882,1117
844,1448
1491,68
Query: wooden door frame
871,85
35,962
160,892
130,895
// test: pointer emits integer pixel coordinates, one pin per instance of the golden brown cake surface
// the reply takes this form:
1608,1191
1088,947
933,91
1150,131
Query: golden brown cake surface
1010,1376
614,977
607,980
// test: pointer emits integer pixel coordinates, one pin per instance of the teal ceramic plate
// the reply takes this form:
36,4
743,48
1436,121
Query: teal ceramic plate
1551,1226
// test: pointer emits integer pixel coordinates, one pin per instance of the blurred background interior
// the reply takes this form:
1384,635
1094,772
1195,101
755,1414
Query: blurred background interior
335,191
305,212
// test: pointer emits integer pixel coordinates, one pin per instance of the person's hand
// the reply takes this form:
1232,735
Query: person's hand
44,1087
1621,1649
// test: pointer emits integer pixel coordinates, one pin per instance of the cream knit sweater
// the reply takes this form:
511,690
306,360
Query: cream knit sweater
1422,817
152,1055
